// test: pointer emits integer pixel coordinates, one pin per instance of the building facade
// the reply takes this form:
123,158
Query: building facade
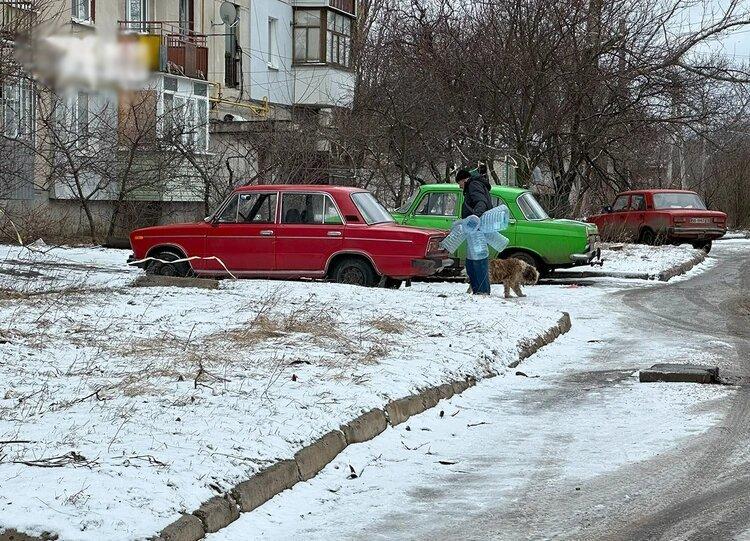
94,154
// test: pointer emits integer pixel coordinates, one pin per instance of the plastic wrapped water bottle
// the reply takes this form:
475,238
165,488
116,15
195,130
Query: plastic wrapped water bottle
455,238
476,244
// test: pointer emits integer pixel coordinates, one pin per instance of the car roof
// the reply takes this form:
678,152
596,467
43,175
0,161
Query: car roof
449,186
654,190
299,187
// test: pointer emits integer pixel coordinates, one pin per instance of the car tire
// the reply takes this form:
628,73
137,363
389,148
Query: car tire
704,245
528,259
648,237
354,271
159,268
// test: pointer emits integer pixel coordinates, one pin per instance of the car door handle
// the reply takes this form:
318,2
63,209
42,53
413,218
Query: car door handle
334,233
266,233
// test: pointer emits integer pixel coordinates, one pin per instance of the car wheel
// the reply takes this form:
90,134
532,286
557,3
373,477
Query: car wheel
528,259
354,271
169,268
704,245
647,237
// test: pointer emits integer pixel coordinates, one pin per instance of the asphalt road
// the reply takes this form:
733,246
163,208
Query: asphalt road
700,490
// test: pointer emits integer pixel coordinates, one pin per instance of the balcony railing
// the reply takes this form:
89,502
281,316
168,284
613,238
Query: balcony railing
343,5
16,18
172,48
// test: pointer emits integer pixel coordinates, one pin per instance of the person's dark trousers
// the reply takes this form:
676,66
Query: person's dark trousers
478,271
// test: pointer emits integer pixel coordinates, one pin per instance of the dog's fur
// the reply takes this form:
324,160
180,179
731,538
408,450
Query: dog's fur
512,273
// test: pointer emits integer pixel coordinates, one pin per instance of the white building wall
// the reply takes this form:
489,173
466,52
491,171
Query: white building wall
323,86
273,80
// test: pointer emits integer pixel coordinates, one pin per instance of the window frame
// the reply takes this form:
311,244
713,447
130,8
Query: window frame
335,36
428,195
273,43
17,97
625,207
274,205
307,27
193,107
326,195
632,199
75,13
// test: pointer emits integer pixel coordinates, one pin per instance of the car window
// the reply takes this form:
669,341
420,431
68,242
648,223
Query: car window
438,204
530,207
678,200
257,208
620,203
371,209
496,201
309,208
637,202
403,209
229,213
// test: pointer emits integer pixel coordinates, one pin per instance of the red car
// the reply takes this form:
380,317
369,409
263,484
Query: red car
658,216
295,231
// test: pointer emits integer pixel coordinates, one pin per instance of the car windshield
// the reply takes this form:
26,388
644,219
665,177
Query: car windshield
371,209
403,209
678,201
530,207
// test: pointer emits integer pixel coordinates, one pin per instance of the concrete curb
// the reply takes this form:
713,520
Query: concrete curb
668,274
220,511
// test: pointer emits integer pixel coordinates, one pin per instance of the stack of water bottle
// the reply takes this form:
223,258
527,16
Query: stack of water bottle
478,233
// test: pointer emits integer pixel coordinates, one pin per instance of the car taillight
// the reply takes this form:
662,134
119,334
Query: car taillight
719,220
433,246
679,219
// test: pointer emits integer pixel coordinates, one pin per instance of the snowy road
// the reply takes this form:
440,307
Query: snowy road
578,450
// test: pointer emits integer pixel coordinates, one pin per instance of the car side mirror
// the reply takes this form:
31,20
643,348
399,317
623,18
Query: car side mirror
607,209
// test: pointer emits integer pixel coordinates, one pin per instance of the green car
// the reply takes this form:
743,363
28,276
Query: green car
533,236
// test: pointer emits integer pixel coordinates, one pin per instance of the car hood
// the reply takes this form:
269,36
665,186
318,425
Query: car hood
563,224
172,229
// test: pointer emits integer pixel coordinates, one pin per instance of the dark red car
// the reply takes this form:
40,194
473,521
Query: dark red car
661,216
295,231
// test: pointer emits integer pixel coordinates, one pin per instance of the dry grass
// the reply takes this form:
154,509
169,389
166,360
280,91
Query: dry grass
388,325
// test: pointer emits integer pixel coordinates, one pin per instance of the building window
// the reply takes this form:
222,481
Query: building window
73,113
136,13
273,50
233,53
307,35
339,39
17,100
82,10
184,113
333,48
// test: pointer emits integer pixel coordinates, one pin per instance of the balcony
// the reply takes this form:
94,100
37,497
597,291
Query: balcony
16,19
346,6
172,49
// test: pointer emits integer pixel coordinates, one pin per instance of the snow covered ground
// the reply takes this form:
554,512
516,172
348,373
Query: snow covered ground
120,407
578,412
637,259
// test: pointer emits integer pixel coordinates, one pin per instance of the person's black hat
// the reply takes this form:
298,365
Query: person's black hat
462,174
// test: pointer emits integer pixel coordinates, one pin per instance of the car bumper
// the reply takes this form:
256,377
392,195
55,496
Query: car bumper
586,257
696,233
430,265
132,258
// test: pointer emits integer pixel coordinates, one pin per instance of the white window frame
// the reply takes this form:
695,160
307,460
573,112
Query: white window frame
273,43
188,112
77,11
76,130
137,22
18,108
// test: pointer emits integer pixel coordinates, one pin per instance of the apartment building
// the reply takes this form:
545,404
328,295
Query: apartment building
119,157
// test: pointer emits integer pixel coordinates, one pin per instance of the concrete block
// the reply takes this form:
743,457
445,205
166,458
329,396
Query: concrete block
446,391
668,274
15,535
365,427
185,528
217,513
682,373
400,410
313,458
151,280
430,397
460,386
265,485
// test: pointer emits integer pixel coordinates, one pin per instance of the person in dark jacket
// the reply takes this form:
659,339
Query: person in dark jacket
477,201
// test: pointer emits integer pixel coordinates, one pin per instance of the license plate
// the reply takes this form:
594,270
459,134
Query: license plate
700,220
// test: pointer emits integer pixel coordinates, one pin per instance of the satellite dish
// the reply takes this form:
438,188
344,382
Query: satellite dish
228,13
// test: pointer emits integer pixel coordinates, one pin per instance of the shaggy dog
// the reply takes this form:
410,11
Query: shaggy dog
512,273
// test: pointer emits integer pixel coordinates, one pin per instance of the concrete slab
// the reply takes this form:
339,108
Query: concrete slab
151,280
680,373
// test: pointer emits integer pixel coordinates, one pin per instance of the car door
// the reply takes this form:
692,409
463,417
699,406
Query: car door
242,236
635,216
614,221
311,229
436,210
